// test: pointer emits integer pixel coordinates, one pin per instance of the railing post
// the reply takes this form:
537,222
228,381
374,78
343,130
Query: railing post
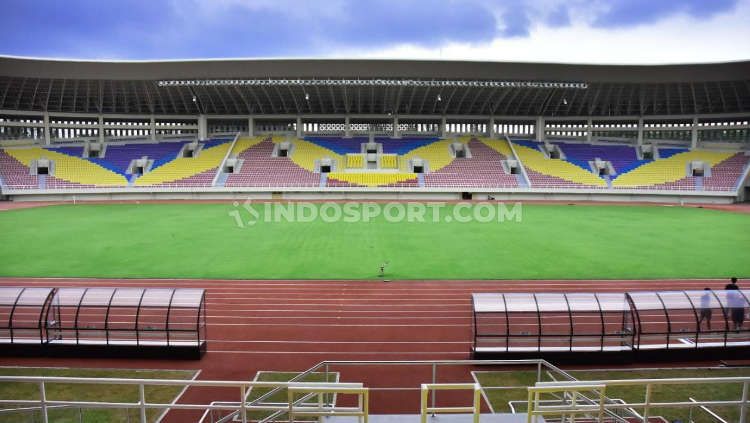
327,381
529,406
647,403
366,406
243,408
142,402
539,371
43,402
743,406
434,381
423,403
321,397
573,403
477,403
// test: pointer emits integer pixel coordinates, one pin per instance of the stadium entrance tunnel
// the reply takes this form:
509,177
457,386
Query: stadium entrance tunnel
626,327
103,322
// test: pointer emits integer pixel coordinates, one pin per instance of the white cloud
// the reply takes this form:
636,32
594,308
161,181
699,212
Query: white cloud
679,39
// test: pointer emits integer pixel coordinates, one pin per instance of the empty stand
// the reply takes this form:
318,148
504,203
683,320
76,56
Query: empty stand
198,171
553,173
389,161
118,157
365,179
670,172
623,157
15,174
261,169
487,165
483,170
726,175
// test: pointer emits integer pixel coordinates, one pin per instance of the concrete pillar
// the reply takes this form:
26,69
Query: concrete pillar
153,129
639,139
396,132
694,133
250,126
347,128
539,128
299,127
101,128
491,128
202,127
47,139
589,128
443,127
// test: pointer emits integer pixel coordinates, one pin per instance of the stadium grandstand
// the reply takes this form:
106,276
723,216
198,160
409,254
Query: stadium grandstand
141,281
380,127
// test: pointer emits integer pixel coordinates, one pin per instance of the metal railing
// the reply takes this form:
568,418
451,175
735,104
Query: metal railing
241,408
571,397
648,405
361,410
475,409
569,408
542,368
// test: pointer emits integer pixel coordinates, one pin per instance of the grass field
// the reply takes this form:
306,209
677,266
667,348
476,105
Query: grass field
205,241
633,394
82,392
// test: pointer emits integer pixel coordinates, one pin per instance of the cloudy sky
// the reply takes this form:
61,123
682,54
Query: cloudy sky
578,31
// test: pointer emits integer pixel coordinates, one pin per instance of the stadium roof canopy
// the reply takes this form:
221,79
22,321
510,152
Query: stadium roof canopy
371,87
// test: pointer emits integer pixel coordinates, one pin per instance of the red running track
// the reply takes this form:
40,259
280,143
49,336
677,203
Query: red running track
293,325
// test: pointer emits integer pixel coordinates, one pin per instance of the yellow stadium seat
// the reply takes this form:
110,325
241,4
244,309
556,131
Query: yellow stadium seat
355,161
371,179
184,167
538,162
667,170
69,168
437,154
243,143
499,145
389,161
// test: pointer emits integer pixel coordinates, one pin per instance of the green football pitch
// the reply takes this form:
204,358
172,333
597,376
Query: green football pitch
214,241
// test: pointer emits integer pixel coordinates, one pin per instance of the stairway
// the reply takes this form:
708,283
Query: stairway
222,179
698,183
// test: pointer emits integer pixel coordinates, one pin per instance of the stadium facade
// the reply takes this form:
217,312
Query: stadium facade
679,108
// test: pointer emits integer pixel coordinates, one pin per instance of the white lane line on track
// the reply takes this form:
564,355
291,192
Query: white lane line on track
334,342
344,319
337,302
340,325
409,353
466,311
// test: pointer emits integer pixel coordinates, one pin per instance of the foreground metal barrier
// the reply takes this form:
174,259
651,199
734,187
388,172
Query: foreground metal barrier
553,392
240,408
474,410
648,405
361,411
566,410
543,369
